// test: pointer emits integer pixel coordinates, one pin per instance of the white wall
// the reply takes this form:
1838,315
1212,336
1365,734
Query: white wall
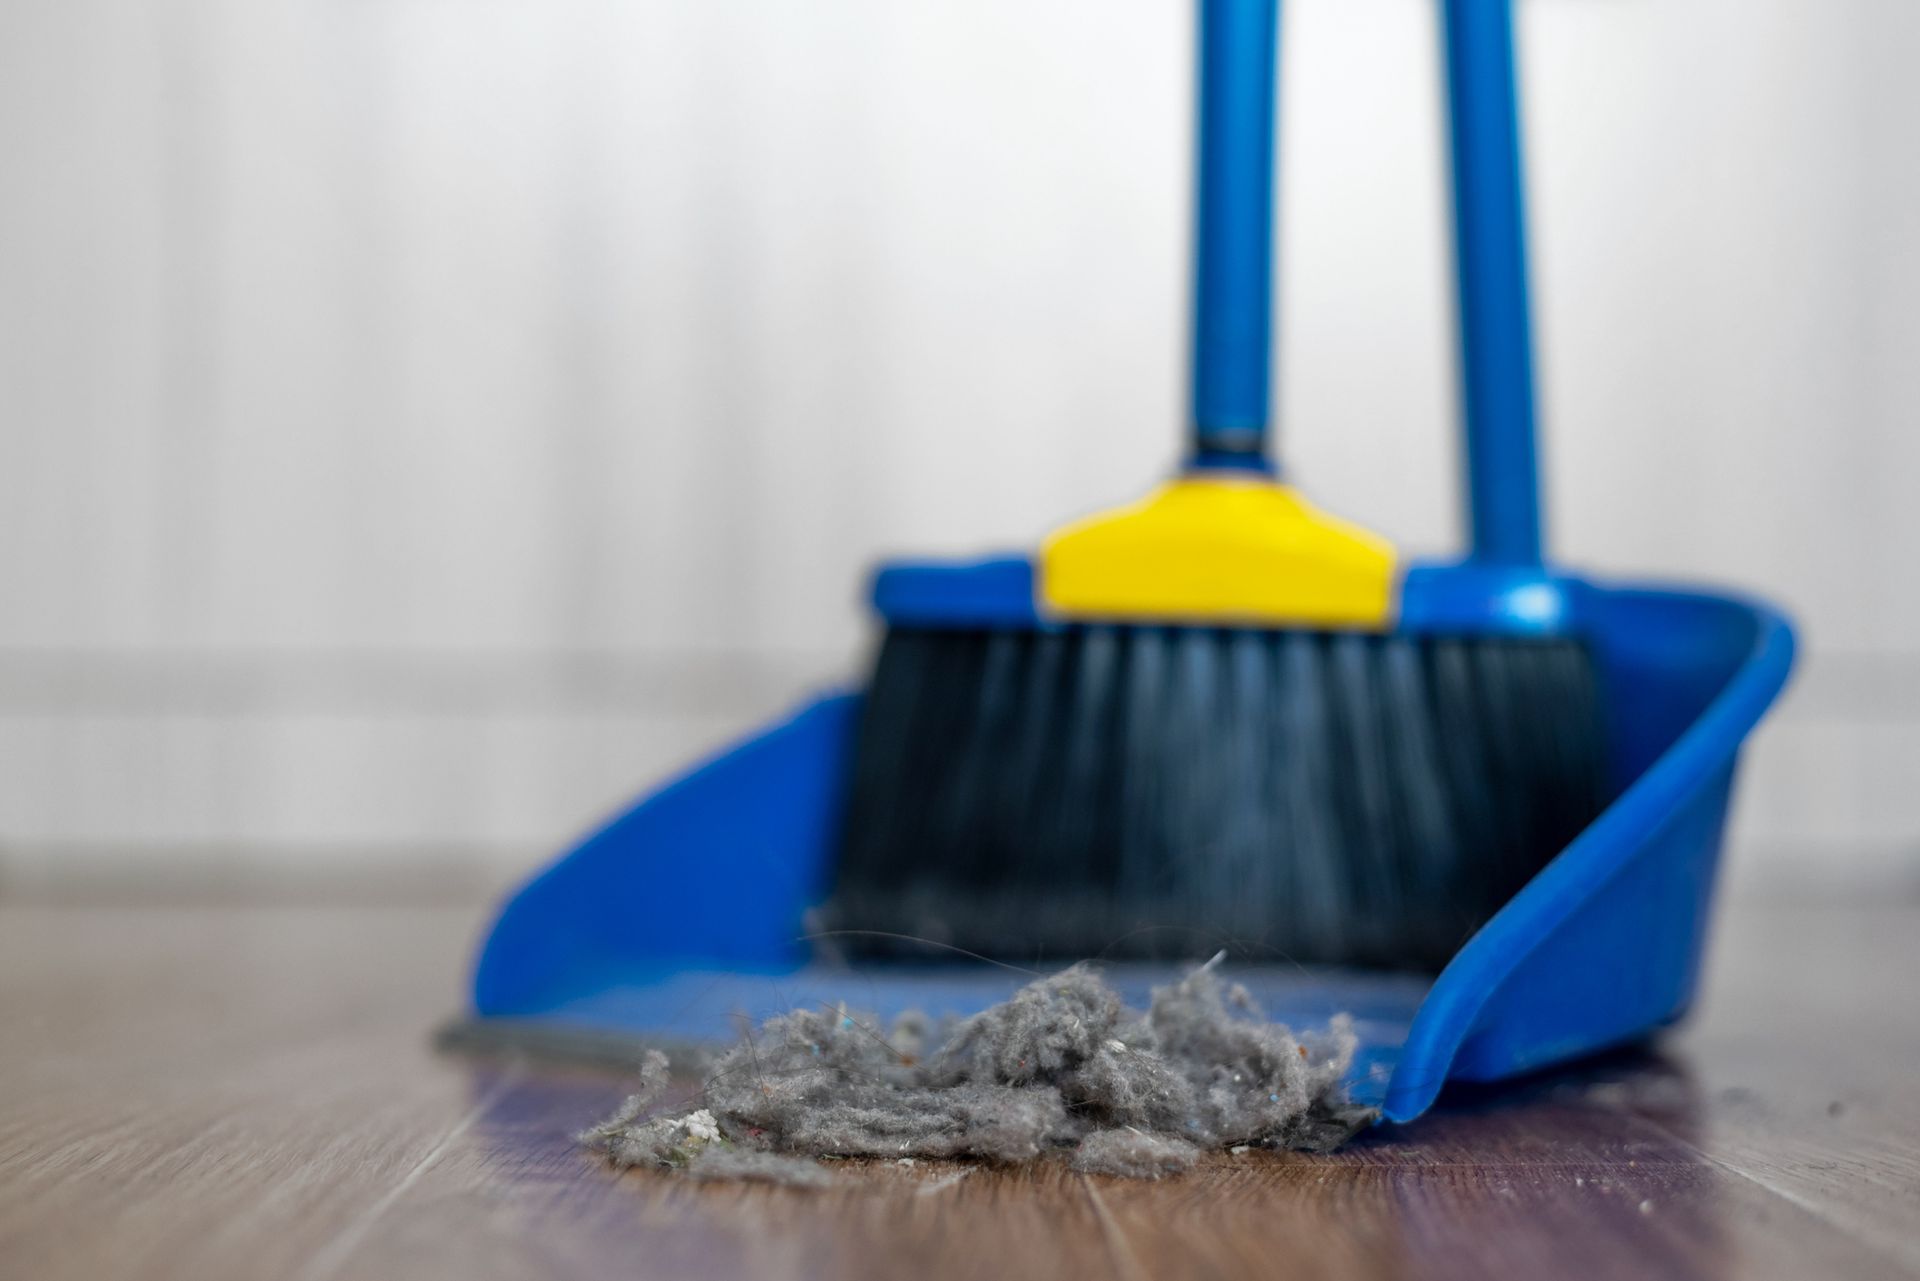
423,421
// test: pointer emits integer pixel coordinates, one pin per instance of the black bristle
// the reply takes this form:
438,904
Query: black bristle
1134,792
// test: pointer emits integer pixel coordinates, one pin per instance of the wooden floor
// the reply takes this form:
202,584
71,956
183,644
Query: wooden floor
248,1093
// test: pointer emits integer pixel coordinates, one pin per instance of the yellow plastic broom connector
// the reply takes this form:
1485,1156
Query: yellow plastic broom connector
1219,548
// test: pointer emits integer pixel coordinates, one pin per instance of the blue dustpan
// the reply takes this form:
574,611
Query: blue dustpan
688,912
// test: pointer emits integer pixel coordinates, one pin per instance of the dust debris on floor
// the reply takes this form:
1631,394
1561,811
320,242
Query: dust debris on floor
1063,1067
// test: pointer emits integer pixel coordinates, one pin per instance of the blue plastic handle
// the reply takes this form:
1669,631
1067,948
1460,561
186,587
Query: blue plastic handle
1233,232
1496,352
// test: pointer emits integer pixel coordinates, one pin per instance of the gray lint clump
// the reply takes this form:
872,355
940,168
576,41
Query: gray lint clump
1062,1066
1134,1154
722,1163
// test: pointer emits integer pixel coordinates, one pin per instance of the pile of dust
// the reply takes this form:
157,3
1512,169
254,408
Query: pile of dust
1063,1066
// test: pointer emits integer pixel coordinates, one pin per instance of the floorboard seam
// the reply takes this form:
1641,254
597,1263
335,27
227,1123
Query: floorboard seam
329,1258
1126,1263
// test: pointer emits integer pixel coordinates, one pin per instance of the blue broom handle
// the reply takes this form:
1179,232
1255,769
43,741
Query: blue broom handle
1233,233
1503,481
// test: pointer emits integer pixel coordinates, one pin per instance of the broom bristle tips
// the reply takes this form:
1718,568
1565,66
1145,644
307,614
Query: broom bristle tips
1155,792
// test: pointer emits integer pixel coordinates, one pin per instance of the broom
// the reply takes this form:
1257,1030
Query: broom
1224,720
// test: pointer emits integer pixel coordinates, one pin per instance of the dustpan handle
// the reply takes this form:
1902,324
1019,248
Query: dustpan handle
1489,227
1233,232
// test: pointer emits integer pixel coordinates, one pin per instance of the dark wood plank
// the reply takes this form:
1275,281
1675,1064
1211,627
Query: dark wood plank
1804,1066
211,1093
248,1093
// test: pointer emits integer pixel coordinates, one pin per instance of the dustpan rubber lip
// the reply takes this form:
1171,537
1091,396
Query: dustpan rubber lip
1435,598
